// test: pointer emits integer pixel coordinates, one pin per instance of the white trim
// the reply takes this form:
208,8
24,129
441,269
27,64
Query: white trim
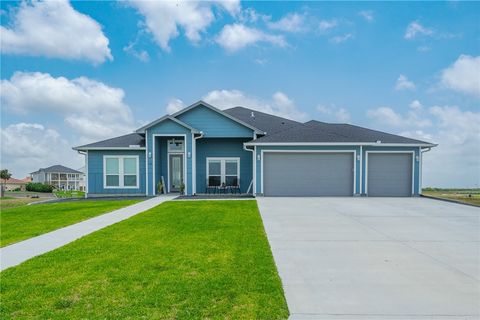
146,163
121,172
393,151
420,173
222,167
254,170
86,174
311,151
194,167
253,143
168,162
109,148
361,170
167,117
196,104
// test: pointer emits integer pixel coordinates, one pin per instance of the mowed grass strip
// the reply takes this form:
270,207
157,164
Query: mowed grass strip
24,222
180,260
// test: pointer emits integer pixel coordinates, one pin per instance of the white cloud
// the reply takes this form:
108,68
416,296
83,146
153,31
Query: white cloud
163,18
341,39
91,108
237,36
292,22
54,29
141,55
325,25
416,105
404,84
279,104
423,49
27,147
415,29
463,75
333,112
455,162
174,105
367,15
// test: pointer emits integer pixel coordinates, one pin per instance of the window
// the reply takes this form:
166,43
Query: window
175,145
120,172
223,171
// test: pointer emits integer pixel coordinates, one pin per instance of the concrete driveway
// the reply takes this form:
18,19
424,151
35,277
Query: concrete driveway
375,258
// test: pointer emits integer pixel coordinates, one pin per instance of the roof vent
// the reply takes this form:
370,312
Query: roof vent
252,115
378,141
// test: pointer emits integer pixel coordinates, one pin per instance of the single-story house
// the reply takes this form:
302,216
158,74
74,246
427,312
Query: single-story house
58,176
16,184
202,146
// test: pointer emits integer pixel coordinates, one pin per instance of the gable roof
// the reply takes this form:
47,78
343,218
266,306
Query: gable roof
331,133
223,113
16,181
167,117
57,168
125,141
266,122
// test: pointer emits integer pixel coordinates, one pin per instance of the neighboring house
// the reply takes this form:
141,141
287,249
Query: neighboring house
265,154
15,184
58,176
81,183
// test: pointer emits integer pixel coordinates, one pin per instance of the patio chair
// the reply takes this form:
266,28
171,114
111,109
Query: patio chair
235,186
212,185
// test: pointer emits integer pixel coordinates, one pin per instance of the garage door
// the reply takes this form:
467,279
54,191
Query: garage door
389,174
308,174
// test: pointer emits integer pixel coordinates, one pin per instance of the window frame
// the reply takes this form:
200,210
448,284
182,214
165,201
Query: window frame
121,172
169,141
223,174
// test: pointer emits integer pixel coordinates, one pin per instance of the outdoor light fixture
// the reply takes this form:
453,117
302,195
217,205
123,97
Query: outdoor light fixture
149,154
358,157
189,154
258,157
416,158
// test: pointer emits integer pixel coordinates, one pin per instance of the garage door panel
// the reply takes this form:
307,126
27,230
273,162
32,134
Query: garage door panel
389,174
308,174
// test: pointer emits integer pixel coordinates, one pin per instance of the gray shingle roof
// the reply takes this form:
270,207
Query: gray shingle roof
124,141
316,131
58,169
263,121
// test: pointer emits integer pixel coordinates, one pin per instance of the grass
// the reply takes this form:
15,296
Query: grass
180,260
471,196
12,202
69,194
20,223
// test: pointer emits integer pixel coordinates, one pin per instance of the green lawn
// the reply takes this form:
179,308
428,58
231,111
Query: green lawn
471,196
69,194
11,202
180,260
23,222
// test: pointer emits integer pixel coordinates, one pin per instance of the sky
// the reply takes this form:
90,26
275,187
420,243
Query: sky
79,72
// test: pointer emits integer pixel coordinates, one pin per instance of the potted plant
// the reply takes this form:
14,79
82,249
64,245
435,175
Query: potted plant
160,187
182,188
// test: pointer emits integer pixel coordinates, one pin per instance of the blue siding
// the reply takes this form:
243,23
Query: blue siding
258,160
95,172
416,167
223,148
213,124
172,128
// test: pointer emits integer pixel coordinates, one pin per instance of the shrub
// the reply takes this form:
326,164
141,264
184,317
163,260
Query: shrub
38,187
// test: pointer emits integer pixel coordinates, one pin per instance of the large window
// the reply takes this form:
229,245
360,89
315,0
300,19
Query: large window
175,145
223,171
120,172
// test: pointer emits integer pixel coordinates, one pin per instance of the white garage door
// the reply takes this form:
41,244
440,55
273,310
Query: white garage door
308,174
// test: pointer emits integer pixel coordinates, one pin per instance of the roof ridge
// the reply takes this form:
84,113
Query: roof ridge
265,113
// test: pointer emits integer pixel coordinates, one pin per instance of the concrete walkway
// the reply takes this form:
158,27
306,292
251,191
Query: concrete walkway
17,253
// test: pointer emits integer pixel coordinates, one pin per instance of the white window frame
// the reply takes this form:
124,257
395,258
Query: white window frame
120,171
222,167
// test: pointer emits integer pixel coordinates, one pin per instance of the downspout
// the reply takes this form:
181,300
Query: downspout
194,164
421,168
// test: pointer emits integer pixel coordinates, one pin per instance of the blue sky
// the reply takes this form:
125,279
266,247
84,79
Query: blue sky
83,71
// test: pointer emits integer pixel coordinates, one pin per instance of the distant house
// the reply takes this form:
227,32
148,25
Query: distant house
15,184
58,176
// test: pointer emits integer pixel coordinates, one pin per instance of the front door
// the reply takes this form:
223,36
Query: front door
176,172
